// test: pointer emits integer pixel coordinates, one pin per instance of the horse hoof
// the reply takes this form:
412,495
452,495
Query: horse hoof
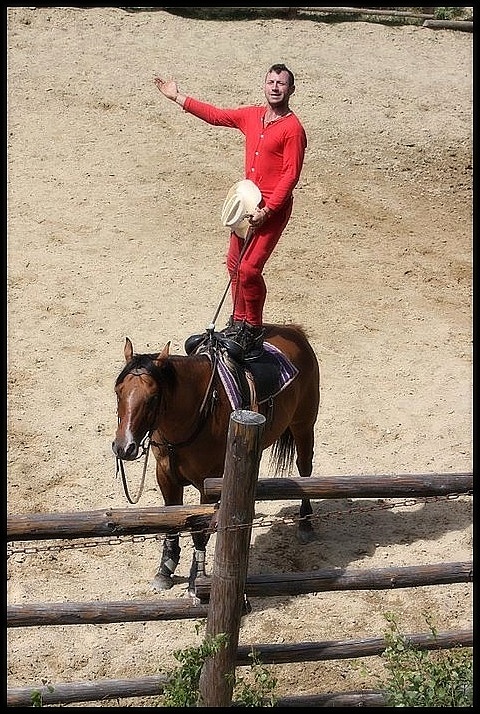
306,534
162,582
195,600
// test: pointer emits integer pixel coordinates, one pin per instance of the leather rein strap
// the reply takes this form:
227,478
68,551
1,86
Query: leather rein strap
121,468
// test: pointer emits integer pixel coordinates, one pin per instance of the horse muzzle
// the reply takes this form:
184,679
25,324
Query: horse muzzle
126,453
130,449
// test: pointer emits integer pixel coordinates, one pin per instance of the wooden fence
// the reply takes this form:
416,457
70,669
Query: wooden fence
427,14
221,598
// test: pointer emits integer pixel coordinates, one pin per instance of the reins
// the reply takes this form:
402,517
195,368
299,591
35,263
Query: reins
121,468
171,446
203,411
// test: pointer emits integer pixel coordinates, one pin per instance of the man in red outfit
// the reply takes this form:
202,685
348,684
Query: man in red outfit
275,143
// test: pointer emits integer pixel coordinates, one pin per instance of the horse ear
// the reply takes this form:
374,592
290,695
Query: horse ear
128,350
165,352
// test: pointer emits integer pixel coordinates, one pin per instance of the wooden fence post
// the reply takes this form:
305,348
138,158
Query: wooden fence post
234,527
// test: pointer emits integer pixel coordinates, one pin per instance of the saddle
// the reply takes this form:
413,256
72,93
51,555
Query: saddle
252,382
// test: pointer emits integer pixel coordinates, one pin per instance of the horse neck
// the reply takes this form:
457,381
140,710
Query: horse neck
181,404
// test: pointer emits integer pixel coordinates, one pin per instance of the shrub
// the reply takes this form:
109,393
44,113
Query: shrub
182,688
448,13
425,678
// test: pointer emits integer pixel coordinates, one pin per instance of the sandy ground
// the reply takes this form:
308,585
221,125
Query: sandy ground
114,197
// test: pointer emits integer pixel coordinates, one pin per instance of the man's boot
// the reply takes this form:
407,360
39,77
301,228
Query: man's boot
253,341
249,339
232,327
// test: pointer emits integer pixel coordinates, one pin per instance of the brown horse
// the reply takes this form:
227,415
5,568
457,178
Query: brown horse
179,407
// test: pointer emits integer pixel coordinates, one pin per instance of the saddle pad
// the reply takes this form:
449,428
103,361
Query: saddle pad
271,373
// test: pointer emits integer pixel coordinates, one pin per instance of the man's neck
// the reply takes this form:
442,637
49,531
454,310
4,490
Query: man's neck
279,110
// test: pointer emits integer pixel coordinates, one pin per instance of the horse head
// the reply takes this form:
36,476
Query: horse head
138,396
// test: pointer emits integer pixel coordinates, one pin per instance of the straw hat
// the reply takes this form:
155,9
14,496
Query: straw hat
240,203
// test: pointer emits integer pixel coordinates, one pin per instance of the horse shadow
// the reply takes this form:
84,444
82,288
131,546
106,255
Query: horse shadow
347,531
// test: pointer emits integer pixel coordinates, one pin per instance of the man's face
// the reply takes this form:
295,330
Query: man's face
277,88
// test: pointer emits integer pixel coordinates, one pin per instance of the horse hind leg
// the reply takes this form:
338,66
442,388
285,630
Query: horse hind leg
304,462
306,534
163,579
297,440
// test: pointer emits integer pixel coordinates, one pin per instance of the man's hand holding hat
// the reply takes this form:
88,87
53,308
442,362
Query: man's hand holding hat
240,209
259,216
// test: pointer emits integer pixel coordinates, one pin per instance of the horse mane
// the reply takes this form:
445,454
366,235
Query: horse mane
146,362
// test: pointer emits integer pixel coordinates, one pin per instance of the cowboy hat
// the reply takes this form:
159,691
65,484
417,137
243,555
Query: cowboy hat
241,201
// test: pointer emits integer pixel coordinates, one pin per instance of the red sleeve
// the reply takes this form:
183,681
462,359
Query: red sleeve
275,162
214,115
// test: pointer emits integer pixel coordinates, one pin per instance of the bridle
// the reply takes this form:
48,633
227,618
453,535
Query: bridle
205,409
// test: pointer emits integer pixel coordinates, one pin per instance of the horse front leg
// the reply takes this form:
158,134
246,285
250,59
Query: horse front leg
163,579
172,494
200,539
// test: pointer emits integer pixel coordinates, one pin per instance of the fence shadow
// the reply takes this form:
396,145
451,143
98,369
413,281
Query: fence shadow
349,531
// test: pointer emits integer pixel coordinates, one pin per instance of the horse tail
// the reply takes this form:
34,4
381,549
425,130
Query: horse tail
283,453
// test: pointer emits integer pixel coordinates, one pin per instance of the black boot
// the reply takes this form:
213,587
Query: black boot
253,341
229,338
232,327
249,339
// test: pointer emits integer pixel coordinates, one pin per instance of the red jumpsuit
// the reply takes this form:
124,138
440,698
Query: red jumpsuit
274,157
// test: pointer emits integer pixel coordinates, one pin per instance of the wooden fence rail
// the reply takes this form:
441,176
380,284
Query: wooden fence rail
336,579
123,521
272,585
103,523
366,11
95,613
220,615
376,486
268,654
153,686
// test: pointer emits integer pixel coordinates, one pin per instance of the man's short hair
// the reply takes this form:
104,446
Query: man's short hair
277,68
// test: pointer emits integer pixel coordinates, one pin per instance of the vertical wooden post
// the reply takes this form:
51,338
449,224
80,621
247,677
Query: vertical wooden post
229,573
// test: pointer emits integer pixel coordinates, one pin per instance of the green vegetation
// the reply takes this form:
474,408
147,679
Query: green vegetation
425,678
36,696
449,13
256,689
182,689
